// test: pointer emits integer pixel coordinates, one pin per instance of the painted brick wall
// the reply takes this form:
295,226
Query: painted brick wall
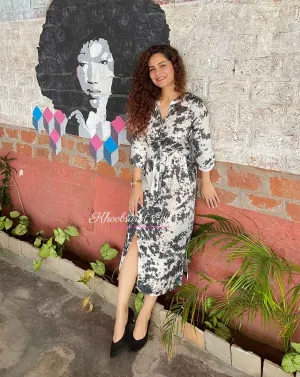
266,191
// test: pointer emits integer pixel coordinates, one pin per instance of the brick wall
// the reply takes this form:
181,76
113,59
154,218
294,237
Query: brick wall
75,151
266,191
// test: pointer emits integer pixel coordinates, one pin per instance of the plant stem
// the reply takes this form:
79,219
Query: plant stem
18,193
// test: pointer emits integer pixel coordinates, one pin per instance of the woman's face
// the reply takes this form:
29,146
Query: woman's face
161,70
96,68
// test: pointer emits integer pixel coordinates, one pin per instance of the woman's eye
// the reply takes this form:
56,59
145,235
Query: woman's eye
82,64
103,61
162,66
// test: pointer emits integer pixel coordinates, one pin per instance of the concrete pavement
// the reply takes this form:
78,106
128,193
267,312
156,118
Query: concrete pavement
43,333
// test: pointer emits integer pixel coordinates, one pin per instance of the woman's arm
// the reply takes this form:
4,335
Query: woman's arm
204,154
208,191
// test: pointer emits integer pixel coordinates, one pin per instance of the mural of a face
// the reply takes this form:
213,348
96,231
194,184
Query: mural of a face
96,71
87,53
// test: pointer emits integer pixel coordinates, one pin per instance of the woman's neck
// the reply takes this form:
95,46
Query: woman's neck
168,94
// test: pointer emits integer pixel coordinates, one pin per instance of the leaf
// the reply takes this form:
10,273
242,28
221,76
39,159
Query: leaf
72,231
223,333
214,321
295,346
20,229
37,242
2,225
98,267
14,214
297,363
37,264
104,248
109,254
60,238
208,324
40,233
287,363
91,307
44,251
52,253
2,218
8,223
85,302
24,220
49,242
139,302
89,274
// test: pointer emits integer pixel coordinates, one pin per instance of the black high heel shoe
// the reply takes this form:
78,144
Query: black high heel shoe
117,347
136,345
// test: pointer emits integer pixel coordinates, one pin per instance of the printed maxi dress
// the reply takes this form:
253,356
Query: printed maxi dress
169,156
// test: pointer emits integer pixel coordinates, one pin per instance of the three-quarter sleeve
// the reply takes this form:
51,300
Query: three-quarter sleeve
201,139
138,154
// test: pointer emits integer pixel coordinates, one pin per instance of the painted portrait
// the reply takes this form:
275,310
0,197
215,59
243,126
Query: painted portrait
87,53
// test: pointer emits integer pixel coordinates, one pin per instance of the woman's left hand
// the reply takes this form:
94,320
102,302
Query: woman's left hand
209,195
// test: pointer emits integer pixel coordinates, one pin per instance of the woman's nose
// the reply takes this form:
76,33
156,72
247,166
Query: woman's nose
93,74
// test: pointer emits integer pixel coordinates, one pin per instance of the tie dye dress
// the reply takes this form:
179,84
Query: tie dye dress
169,156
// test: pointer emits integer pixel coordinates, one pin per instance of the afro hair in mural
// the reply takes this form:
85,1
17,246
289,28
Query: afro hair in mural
87,53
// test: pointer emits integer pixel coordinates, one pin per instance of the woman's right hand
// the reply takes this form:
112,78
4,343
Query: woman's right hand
136,196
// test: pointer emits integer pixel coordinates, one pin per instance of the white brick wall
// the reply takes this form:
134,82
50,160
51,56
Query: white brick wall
242,57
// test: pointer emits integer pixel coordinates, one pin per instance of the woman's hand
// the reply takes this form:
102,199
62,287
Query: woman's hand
136,196
209,194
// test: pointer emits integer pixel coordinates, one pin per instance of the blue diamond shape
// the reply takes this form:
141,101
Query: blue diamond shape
37,114
110,145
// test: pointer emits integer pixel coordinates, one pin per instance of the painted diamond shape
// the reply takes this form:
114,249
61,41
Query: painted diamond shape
110,145
96,142
59,116
118,124
37,114
55,136
48,115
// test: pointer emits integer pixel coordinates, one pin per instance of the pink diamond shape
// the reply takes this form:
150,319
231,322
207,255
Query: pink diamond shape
59,116
118,124
48,114
55,136
96,142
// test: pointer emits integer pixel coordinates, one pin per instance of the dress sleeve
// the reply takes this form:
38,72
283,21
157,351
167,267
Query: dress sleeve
201,139
138,154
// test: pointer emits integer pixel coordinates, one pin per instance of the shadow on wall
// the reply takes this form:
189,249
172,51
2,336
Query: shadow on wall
87,53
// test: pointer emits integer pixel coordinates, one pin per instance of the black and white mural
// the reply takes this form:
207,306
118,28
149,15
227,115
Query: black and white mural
87,53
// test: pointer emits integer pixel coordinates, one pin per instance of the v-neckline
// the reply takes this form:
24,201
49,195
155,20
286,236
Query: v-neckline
157,103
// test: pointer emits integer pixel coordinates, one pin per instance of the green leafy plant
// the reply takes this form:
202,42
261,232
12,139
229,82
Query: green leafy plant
16,223
213,320
6,175
106,253
46,246
138,302
258,286
291,360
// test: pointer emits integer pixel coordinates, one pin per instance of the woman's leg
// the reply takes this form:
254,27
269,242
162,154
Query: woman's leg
143,318
127,279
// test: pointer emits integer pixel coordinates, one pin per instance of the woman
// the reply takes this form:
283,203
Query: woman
171,137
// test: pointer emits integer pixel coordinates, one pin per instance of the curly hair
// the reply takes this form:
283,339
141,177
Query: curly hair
144,93
129,26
